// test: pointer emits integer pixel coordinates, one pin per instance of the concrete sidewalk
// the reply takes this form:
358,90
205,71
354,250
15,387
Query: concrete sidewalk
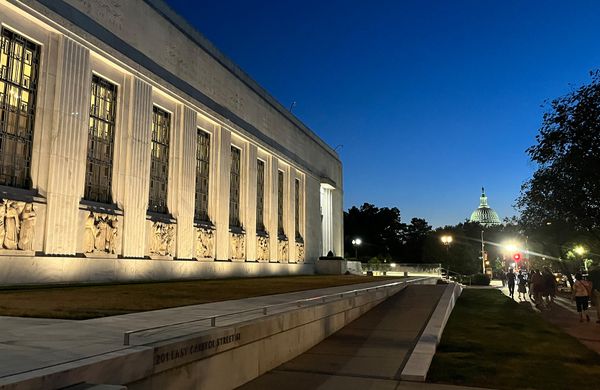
32,344
563,314
369,353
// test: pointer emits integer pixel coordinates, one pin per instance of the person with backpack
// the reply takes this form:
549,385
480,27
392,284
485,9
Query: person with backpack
522,286
581,295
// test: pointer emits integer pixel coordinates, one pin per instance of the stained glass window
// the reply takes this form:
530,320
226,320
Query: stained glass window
19,62
280,229
202,175
260,195
159,166
98,177
234,188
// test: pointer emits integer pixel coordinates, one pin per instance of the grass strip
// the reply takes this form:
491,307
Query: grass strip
492,341
85,302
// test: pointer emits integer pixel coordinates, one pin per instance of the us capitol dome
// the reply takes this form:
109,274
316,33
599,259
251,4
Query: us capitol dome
484,214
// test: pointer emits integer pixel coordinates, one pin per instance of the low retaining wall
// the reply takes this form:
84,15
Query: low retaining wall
418,364
338,267
48,270
219,358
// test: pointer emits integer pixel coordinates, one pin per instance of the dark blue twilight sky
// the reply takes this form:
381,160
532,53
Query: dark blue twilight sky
430,99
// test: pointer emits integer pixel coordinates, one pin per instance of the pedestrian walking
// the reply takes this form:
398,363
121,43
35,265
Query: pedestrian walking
581,296
522,289
537,285
549,285
510,280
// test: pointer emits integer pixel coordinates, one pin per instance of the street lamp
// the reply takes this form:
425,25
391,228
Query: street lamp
446,240
580,250
356,242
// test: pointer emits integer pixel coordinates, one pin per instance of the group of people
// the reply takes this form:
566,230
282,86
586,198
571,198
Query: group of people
539,285
541,288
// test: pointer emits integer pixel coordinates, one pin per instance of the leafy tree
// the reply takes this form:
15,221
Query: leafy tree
565,188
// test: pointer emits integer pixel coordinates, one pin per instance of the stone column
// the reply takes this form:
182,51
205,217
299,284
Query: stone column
223,160
250,226
68,148
137,168
184,180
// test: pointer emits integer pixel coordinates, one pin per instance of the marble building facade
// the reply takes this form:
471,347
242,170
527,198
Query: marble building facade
132,149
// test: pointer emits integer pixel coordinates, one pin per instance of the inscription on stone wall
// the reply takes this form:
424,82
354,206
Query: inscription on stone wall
205,243
237,246
162,239
196,350
262,248
17,225
102,233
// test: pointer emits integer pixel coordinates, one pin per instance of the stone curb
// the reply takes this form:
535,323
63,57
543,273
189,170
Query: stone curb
418,363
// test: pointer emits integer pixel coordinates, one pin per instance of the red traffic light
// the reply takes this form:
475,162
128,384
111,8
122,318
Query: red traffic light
517,257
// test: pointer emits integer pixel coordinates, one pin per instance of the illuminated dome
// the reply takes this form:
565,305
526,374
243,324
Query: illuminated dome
484,214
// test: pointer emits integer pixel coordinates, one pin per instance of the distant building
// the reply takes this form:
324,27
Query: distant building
484,214
132,149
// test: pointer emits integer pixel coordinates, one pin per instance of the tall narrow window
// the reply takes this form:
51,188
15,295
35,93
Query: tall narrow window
234,188
19,62
98,175
159,166
260,196
202,175
297,208
280,229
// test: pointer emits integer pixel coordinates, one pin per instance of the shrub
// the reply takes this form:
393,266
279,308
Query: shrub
480,280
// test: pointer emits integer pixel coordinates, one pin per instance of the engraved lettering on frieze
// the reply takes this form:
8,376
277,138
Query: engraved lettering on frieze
17,225
101,233
262,248
299,252
282,250
204,243
163,239
237,246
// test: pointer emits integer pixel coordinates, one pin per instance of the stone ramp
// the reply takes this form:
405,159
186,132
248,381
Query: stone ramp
368,353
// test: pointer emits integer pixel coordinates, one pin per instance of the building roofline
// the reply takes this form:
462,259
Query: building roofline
179,22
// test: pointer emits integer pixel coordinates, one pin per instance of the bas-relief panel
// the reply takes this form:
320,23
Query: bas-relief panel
237,246
17,225
282,251
205,243
262,248
299,252
102,233
162,239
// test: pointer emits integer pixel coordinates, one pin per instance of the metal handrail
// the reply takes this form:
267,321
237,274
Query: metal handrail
265,309
448,272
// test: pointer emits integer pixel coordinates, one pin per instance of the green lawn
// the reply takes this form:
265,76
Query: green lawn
492,341
83,302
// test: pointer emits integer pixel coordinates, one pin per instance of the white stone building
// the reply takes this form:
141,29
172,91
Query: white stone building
132,149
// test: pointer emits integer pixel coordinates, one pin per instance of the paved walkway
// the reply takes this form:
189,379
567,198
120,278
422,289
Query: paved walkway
369,353
30,344
563,314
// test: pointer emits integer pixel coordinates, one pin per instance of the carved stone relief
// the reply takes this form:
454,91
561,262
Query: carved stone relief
262,248
101,233
282,250
162,239
299,252
205,242
17,225
237,246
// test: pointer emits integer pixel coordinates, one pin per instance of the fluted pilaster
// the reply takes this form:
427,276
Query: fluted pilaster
137,168
68,148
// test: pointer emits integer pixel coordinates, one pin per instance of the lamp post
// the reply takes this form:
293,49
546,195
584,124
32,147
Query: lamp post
446,240
356,242
580,250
